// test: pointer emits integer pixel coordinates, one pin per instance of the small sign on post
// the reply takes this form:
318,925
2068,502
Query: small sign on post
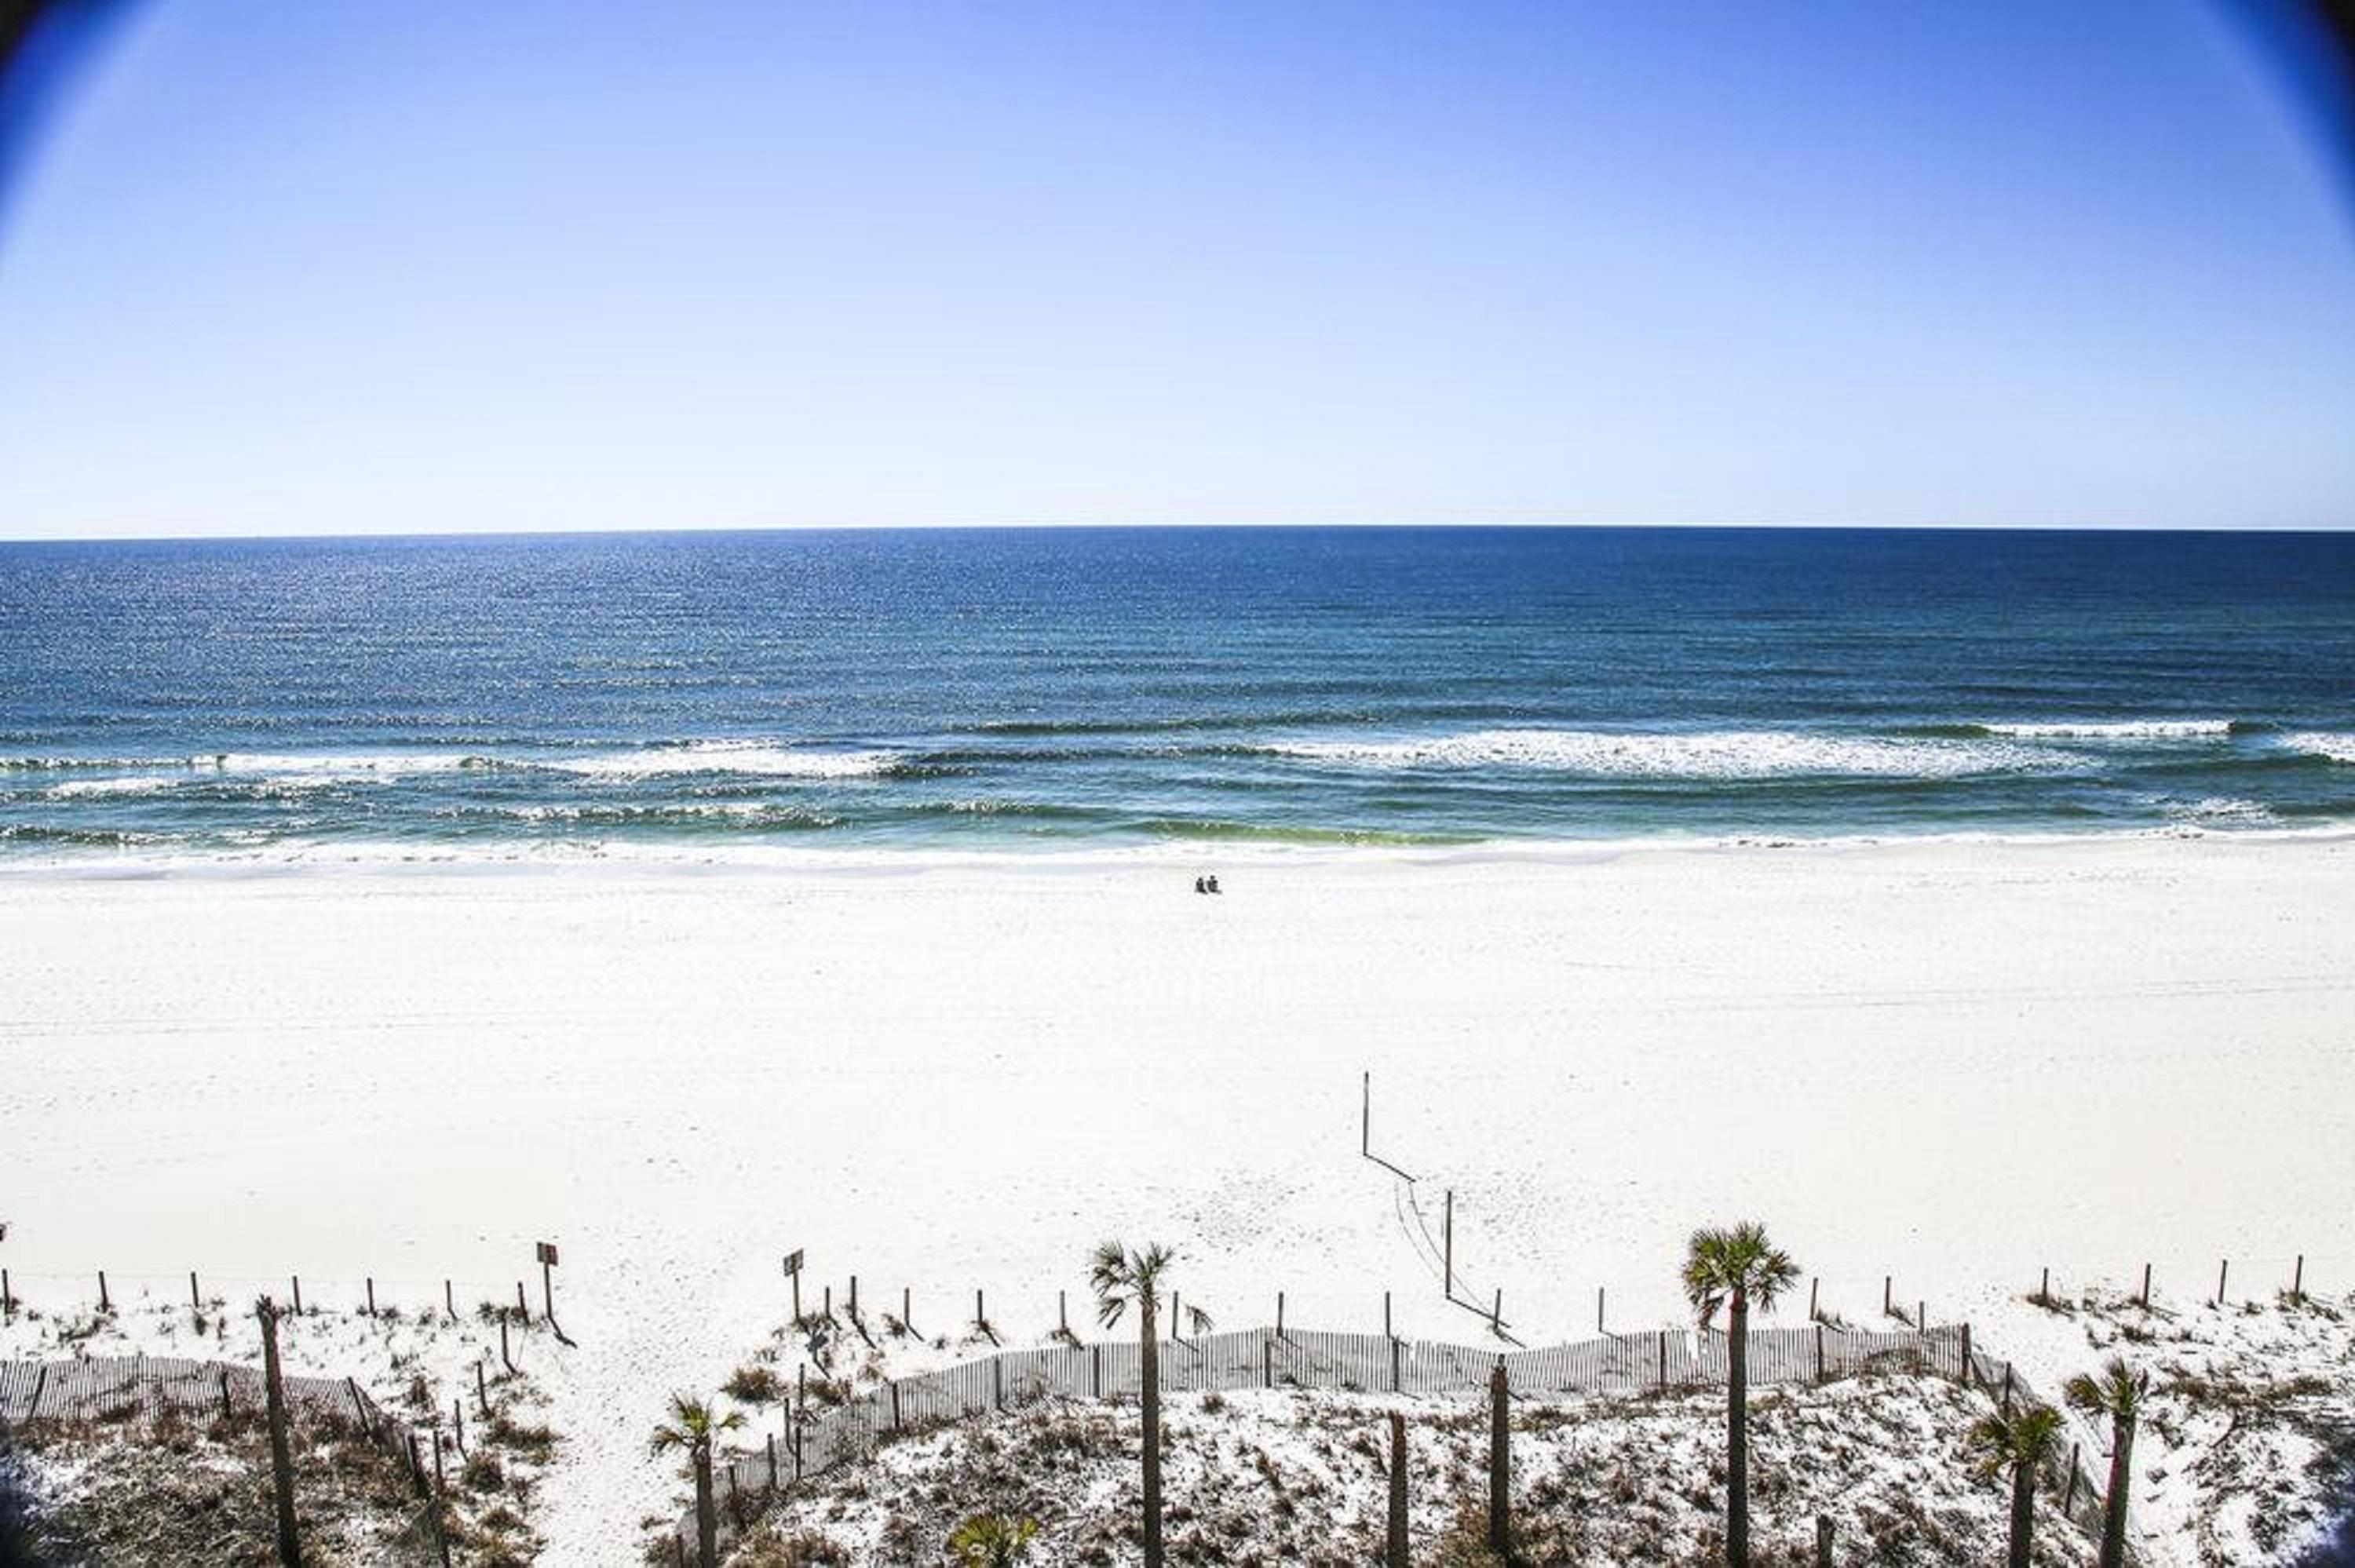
545,1253
793,1273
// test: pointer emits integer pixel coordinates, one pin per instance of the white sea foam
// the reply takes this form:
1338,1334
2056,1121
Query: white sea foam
2121,729
139,784
1725,754
753,757
2338,745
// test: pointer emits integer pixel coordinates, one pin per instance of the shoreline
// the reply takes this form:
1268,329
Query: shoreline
391,859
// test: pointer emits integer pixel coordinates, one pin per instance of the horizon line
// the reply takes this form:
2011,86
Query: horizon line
1466,526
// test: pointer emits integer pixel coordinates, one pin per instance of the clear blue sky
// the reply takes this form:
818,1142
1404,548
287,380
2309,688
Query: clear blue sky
285,268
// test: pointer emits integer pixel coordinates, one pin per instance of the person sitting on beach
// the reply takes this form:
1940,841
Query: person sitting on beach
1199,887
1214,882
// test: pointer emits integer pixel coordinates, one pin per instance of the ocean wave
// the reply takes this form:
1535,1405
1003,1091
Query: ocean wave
756,758
1728,754
136,784
2115,729
2337,746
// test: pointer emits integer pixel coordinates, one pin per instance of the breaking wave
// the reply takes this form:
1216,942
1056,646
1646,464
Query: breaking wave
1729,754
2337,746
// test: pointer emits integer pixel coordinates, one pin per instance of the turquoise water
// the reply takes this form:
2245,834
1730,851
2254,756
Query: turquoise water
985,690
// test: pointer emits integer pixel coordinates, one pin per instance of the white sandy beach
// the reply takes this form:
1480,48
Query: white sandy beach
1951,1062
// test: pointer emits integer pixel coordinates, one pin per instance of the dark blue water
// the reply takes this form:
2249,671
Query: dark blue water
987,690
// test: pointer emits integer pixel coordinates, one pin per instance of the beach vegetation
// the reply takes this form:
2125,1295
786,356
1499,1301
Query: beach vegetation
2021,1441
993,1541
1123,1277
2118,1392
690,1431
1735,1268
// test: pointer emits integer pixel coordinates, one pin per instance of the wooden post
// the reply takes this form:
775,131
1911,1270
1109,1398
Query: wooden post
997,1381
1279,1314
2074,1450
104,1303
450,1300
1394,1545
1598,1308
297,1282
1823,1540
8,1299
854,1299
907,1309
772,1461
226,1411
371,1295
1921,1316
1819,1349
1888,1286
1063,1313
282,1457
523,1307
1500,1464
679,1544
1386,1316
437,1462
2223,1271
1267,1363
1394,1366
895,1404
195,1301
826,1302
1176,1330
2044,1288
505,1359
458,1423
981,1314
1496,1314
1447,1235
2297,1280
1664,1358
548,1294
1967,1355
482,1390
2006,1387
1095,1370
1366,1117
2146,1288
797,1300
1813,1316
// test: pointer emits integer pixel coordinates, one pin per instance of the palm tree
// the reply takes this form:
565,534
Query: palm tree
2118,1392
2021,1441
1732,1268
691,1427
1119,1277
993,1541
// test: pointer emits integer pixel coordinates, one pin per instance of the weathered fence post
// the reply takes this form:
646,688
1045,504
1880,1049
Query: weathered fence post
41,1382
981,1310
225,1411
1394,1546
1664,1358
482,1390
1063,1313
997,1381
450,1300
2074,1450
2297,1280
1095,1370
105,1304
772,1461
282,1455
523,1307
1279,1314
1500,1464
1496,1314
371,1295
2146,1288
505,1359
1394,1366
2044,1288
1921,1316
2223,1270
894,1386
2006,1387
1967,1355
8,1299
1823,1540
1598,1308
296,1280
1267,1363
1813,1316
1888,1290
854,1298
1386,1315
195,1301
1447,1241
458,1423
1819,1349
907,1309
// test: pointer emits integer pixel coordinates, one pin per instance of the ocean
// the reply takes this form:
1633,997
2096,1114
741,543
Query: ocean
989,690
